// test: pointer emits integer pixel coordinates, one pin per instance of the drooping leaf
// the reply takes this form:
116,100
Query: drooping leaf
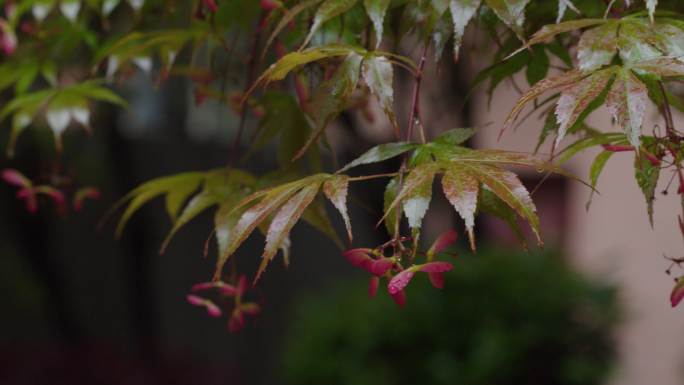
332,97
335,190
538,66
415,183
550,126
316,216
647,174
225,220
564,80
195,206
441,33
511,12
598,46
577,98
150,190
418,199
461,189
390,194
286,64
462,11
177,197
379,77
595,172
283,222
379,153
289,15
506,185
327,10
489,203
626,101
549,31
270,201
376,10
563,6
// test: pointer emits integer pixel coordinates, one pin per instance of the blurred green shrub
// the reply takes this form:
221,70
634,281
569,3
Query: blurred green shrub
501,319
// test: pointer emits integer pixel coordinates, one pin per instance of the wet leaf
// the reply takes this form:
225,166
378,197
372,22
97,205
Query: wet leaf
647,174
376,10
455,136
550,83
283,222
288,17
390,194
461,189
379,77
549,31
538,66
379,153
335,190
563,6
270,201
462,11
418,199
664,66
626,102
327,10
595,172
598,46
280,69
577,98
511,12
332,97
506,185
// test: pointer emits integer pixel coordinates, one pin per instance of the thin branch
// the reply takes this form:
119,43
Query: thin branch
415,104
251,72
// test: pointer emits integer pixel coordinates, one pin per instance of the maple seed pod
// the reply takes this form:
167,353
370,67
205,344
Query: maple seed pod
677,293
400,298
617,148
400,281
381,266
15,178
358,257
373,284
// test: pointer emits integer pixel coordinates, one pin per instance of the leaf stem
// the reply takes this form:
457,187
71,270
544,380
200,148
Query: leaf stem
369,177
415,104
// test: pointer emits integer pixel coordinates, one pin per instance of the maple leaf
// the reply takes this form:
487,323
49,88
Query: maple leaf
281,207
464,171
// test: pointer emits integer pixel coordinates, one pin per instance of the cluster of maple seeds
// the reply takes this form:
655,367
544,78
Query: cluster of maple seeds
29,192
225,293
375,262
